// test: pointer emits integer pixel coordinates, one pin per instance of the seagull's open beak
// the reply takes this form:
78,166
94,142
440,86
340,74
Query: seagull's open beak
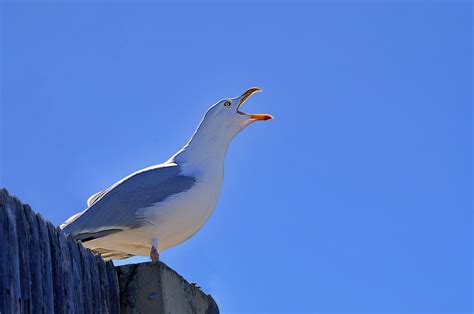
244,97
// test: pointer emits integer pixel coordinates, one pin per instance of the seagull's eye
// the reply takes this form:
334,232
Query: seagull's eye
227,103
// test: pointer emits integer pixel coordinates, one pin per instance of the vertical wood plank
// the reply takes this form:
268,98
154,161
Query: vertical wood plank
23,251
35,262
13,268
76,273
95,282
46,265
67,291
114,299
56,270
104,284
4,261
87,287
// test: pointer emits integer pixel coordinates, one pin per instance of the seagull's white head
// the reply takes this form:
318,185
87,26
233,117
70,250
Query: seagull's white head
219,126
225,119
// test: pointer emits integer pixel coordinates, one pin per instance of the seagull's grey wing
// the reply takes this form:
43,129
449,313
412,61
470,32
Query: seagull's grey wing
116,209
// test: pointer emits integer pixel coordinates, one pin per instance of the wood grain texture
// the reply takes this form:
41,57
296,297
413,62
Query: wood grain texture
44,271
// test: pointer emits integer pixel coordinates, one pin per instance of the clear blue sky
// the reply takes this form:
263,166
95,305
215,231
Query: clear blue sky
356,198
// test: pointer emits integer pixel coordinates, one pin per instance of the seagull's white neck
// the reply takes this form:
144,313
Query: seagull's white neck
205,151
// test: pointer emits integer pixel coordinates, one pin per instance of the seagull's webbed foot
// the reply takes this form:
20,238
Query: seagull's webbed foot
154,254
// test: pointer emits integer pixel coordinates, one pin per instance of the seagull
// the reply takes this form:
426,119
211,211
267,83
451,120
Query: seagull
163,205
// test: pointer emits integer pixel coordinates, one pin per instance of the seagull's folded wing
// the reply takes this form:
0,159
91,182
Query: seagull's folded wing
115,208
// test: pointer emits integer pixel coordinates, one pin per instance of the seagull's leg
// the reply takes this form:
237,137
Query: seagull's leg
154,254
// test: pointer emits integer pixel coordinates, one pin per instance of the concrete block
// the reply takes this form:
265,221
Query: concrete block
156,288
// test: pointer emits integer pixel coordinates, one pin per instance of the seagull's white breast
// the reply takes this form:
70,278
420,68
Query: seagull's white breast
180,216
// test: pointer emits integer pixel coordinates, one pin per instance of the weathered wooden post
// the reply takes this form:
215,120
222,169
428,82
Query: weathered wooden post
44,271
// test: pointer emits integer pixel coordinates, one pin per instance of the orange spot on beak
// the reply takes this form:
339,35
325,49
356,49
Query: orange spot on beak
260,116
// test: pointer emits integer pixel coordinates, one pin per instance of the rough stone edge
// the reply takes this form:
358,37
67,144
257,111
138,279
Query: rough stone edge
213,307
